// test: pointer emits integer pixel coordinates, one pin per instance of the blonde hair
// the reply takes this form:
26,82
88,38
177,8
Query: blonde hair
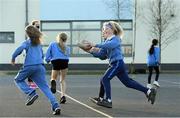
61,38
117,29
34,34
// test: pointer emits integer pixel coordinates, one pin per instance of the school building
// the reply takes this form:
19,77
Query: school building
80,19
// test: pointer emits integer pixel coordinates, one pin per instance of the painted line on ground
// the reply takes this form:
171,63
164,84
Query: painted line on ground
100,112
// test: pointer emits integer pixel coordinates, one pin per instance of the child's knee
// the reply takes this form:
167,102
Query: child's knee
17,79
105,80
62,81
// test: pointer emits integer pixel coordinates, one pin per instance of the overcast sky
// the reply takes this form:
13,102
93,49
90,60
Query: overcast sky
77,10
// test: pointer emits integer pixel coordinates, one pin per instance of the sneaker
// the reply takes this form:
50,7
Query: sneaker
32,85
63,100
53,86
31,98
152,95
105,103
57,111
156,84
95,99
149,86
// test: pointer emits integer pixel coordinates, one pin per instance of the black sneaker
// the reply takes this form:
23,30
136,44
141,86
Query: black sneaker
57,111
105,103
152,95
63,100
95,99
31,98
53,86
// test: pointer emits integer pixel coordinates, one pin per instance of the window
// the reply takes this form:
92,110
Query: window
55,26
83,30
50,36
127,50
126,25
127,37
86,25
6,37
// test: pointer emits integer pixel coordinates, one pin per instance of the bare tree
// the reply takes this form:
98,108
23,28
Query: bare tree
121,9
161,21
118,7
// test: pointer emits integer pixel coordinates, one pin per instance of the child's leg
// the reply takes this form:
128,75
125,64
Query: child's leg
150,74
157,72
101,90
62,81
39,78
20,80
54,75
110,73
29,80
128,82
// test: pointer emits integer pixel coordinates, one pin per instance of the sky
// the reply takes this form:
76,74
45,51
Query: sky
77,10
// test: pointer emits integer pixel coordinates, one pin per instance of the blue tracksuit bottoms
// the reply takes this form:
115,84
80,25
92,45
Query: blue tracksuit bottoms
117,68
37,74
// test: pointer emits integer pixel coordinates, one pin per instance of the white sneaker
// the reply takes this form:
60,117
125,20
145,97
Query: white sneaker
149,86
156,83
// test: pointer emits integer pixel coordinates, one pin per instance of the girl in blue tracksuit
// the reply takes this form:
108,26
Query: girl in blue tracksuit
33,68
58,54
153,62
111,49
36,24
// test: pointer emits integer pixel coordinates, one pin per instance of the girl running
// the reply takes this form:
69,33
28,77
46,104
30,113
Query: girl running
153,63
36,24
111,49
34,68
58,55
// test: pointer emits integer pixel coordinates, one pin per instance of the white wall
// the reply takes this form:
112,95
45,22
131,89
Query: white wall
12,18
170,54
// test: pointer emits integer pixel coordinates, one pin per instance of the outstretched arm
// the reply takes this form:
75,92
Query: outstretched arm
18,51
109,44
99,53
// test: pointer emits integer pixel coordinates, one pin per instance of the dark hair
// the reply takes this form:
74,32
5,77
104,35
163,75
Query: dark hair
154,42
34,34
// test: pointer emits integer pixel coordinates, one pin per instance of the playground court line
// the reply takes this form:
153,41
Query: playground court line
85,105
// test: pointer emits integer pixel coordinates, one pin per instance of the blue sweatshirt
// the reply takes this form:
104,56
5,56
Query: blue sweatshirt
54,52
34,54
110,49
153,60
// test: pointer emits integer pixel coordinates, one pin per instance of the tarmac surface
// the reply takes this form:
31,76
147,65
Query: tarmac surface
126,102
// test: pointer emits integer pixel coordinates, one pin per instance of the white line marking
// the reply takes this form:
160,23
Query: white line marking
102,113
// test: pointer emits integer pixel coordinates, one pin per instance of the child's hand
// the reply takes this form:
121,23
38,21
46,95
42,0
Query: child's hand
84,45
92,44
94,49
12,62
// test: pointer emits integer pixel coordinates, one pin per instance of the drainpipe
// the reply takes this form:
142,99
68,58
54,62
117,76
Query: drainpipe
26,20
26,12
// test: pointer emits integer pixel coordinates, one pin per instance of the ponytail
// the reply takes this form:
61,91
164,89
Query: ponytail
61,38
34,34
151,50
154,42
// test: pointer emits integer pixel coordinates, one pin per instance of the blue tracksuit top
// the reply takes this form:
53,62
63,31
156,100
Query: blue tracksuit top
54,52
34,54
153,60
110,49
